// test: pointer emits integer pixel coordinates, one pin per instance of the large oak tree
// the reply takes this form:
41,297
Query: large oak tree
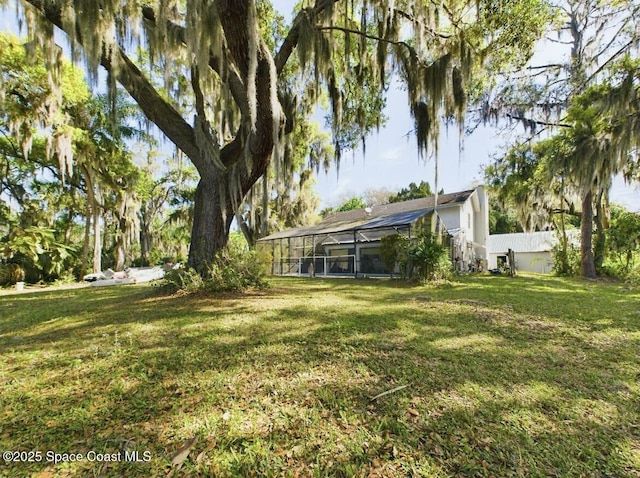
235,80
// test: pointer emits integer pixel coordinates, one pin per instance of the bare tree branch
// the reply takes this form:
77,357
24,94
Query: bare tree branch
538,122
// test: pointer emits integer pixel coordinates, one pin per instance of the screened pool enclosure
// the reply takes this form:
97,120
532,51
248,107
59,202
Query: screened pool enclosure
318,251
348,243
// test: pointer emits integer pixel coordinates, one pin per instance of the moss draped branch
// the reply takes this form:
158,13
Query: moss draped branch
155,107
291,41
216,62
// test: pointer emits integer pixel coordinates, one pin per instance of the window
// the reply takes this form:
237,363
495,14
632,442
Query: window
371,262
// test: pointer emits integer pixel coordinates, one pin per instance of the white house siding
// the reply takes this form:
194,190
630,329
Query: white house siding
467,218
469,226
452,218
481,224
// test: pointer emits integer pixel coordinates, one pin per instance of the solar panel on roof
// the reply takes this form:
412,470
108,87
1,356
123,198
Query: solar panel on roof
398,219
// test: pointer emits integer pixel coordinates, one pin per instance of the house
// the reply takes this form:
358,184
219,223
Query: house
533,251
348,243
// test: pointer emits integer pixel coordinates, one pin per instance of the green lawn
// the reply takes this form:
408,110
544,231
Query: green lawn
526,377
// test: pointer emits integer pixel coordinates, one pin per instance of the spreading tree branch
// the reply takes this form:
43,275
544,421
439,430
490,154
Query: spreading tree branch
155,107
538,122
291,41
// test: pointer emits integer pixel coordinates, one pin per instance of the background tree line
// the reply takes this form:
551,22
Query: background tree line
108,208
579,118
233,87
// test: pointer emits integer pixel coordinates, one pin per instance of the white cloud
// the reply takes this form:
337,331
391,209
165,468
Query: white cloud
393,154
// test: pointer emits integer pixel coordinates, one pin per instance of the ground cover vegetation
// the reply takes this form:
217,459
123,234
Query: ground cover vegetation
487,376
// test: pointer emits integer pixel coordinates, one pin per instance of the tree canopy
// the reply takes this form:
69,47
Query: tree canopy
588,102
413,191
227,81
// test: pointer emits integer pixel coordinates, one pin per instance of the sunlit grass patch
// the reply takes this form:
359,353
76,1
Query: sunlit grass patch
485,376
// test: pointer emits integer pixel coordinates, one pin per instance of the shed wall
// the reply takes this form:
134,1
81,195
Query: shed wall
539,262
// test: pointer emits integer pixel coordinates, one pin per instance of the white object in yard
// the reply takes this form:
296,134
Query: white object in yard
19,285
100,283
134,275
146,274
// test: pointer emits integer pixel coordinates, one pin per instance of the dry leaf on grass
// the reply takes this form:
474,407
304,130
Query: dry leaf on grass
181,455
202,454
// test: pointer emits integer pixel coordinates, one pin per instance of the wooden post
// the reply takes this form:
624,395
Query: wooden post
512,262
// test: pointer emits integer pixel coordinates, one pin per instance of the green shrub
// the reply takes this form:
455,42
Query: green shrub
237,270
623,239
394,252
65,278
626,271
11,273
443,269
633,276
566,262
37,252
183,280
234,269
425,258
430,259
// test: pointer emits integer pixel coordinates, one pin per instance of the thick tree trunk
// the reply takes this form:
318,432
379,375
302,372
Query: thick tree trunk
94,210
145,236
120,256
586,230
210,230
600,221
121,246
564,240
97,239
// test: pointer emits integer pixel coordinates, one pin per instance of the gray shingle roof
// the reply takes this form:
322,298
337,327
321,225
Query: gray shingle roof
385,215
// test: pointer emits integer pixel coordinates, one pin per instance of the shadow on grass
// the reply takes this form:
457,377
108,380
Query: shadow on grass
500,381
